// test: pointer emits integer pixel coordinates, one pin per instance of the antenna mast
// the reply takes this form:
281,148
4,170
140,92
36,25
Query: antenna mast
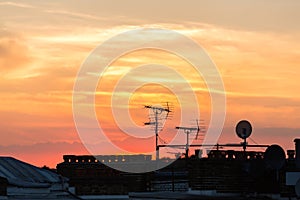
157,111
187,131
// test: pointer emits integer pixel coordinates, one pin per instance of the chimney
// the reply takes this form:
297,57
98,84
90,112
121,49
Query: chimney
297,149
198,153
291,154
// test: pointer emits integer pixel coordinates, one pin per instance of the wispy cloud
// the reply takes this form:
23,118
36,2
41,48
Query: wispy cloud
14,4
76,14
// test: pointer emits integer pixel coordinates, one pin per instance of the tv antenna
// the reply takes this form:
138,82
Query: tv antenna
157,110
188,131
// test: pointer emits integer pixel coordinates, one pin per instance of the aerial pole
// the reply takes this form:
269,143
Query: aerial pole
157,111
156,133
187,131
187,146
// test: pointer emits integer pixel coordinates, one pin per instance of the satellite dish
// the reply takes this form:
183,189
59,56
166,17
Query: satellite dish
297,188
274,157
243,129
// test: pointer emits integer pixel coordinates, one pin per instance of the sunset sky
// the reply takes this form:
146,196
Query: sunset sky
254,44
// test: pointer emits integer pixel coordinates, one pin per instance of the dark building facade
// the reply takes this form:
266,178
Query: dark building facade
90,176
222,171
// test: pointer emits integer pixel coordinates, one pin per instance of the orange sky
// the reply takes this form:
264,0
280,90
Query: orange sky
254,44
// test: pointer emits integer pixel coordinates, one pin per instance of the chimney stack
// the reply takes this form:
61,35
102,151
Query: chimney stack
297,149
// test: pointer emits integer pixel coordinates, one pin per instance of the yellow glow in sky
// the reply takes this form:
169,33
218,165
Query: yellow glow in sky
254,44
